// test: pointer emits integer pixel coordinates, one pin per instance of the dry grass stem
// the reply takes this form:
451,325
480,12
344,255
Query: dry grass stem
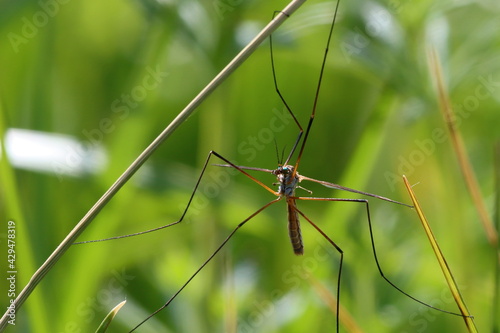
459,149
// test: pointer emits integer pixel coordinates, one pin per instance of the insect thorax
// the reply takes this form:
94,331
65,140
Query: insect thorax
288,180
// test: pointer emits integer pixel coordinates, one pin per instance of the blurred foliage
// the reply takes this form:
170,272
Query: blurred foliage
71,71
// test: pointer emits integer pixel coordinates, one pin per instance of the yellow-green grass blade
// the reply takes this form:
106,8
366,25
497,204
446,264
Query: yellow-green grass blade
111,315
442,261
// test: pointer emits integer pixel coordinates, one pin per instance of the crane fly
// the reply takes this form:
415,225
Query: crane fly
288,180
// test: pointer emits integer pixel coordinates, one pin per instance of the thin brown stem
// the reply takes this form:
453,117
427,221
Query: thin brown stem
460,151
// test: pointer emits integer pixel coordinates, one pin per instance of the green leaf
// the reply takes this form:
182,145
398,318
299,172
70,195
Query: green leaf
105,323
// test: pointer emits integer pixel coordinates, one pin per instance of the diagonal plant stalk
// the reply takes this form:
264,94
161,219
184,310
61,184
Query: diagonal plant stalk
139,161
459,149
469,322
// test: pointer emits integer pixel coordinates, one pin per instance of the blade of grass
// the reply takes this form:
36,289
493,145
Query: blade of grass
469,322
459,149
130,171
109,318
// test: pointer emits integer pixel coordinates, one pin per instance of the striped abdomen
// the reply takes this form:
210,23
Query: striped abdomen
294,228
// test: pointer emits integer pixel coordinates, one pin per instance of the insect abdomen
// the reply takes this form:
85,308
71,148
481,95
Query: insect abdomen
294,230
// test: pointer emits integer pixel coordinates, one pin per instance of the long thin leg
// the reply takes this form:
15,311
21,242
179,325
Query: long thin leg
339,250
316,96
208,260
229,164
379,267
276,87
348,189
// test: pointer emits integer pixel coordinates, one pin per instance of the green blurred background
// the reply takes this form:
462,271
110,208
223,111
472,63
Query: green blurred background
110,75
